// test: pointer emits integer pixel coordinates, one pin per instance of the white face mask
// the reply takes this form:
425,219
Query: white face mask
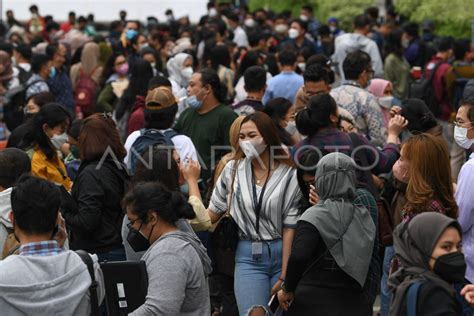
59,140
293,33
302,66
252,148
281,28
405,42
249,23
187,73
291,128
332,28
212,12
386,102
460,136
304,18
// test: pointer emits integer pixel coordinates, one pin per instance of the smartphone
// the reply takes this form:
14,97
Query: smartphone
274,304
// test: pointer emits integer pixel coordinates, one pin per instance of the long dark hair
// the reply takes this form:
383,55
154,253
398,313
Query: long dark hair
157,164
51,114
393,43
220,56
277,109
306,166
109,67
210,77
250,59
140,75
316,115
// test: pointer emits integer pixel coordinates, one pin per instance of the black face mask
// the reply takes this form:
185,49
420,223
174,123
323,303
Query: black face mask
451,267
137,241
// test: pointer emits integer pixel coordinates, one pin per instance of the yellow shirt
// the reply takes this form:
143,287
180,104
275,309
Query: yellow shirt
50,169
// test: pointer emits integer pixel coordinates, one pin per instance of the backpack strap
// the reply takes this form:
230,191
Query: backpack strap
412,298
170,133
435,69
86,258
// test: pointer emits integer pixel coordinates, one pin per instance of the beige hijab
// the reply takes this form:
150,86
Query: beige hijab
90,57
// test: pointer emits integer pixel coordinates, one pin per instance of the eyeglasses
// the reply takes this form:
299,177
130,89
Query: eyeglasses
459,124
130,225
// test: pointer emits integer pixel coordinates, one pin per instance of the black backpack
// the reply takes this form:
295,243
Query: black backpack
149,138
24,75
16,101
423,89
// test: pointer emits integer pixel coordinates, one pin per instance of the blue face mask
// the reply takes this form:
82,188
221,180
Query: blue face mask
193,102
130,34
52,72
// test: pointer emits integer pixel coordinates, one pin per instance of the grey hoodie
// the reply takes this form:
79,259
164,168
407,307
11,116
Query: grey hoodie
350,42
177,265
51,285
5,208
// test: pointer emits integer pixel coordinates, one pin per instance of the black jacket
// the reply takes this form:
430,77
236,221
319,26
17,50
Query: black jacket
96,220
433,300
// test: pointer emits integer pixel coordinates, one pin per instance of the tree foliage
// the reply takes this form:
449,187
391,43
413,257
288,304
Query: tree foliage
452,17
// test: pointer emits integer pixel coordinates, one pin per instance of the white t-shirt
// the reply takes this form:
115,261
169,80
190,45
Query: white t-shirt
183,145
240,93
240,37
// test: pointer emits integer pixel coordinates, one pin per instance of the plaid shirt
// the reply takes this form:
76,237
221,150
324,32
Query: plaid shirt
41,249
61,87
332,140
364,198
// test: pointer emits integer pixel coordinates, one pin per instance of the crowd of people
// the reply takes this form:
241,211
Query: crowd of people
258,164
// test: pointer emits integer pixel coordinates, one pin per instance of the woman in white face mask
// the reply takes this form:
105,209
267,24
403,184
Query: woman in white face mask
43,141
282,113
180,70
382,90
252,187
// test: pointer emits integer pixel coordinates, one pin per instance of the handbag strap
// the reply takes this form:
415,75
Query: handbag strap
86,258
412,298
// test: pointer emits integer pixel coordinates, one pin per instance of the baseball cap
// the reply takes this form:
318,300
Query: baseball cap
159,98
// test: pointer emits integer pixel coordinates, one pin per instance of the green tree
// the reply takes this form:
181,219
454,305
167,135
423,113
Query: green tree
452,17
343,10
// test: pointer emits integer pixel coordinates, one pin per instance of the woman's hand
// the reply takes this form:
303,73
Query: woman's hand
396,125
61,235
276,287
191,170
313,196
285,299
468,293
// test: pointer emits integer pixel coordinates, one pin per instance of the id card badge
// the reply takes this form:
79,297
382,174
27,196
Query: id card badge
257,250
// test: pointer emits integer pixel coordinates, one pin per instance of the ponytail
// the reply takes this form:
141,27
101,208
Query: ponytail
180,206
154,196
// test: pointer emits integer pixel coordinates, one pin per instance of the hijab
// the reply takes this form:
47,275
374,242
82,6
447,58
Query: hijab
347,229
90,57
414,243
377,87
174,66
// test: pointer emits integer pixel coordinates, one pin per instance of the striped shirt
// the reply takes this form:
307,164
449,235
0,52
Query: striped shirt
279,205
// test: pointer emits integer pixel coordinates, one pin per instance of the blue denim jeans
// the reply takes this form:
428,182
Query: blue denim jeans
385,294
254,279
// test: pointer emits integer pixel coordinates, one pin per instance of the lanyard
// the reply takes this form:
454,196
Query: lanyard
258,205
